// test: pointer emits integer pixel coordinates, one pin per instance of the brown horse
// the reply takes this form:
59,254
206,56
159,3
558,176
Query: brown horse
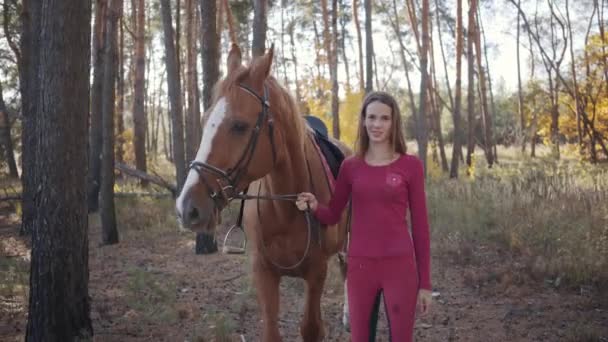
254,138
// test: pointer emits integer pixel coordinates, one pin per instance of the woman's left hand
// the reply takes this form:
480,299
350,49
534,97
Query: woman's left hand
425,297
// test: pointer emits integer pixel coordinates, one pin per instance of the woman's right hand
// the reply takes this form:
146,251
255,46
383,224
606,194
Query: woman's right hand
306,200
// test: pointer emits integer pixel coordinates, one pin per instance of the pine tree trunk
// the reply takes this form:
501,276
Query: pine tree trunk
458,92
30,16
471,88
343,22
120,89
174,95
490,90
59,304
193,112
335,100
486,116
206,243
436,107
577,99
520,93
422,124
294,58
5,137
402,50
369,48
109,231
139,114
210,51
260,26
359,44
95,131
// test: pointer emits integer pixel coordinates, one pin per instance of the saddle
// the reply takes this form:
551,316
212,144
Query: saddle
332,153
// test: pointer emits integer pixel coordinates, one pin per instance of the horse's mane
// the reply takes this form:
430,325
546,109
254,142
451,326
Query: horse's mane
283,107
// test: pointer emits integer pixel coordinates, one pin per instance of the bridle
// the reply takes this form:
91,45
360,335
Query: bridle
227,181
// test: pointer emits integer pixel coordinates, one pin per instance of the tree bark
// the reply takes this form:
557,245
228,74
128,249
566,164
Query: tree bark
397,29
193,114
471,88
422,121
5,137
206,243
28,72
435,105
520,93
457,92
577,99
139,114
260,26
95,131
120,90
109,231
486,116
335,100
359,44
59,304
175,97
210,50
369,48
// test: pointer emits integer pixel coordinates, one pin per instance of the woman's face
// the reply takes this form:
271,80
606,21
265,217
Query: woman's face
378,122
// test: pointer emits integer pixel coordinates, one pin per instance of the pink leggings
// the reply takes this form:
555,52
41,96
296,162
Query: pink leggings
395,277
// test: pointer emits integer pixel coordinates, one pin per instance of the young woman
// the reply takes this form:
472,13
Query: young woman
382,181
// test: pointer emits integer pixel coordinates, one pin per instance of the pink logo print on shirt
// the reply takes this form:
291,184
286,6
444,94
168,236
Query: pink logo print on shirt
393,179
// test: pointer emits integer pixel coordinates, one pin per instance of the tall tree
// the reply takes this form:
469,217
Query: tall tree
369,48
424,79
59,304
206,243
95,131
260,25
359,44
5,137
193,115
457,92
28,88
330,43
139,114
520,93
486,116
333,70
109,231
175,97
406,65
577,98
120,89
471,122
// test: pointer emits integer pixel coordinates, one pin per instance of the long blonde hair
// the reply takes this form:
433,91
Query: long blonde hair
396,138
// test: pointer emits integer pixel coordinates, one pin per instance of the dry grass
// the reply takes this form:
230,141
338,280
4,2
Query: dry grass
551,213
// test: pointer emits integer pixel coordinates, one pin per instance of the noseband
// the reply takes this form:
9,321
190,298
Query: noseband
227,181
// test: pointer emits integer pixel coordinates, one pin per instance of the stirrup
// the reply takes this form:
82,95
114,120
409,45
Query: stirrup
231,249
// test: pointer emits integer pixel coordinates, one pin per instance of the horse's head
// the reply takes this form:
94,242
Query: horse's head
238,145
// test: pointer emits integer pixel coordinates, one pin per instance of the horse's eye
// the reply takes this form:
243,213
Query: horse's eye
239,127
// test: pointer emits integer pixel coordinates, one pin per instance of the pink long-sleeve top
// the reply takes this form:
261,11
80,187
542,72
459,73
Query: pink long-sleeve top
381,196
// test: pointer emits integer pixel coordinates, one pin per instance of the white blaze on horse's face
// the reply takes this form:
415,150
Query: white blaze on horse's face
210,130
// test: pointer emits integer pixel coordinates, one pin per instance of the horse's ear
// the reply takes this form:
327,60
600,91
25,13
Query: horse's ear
261,66
234,58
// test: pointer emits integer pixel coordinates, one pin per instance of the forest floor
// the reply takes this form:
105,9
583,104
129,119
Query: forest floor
153,287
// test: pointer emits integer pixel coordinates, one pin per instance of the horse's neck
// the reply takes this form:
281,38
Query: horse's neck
290,176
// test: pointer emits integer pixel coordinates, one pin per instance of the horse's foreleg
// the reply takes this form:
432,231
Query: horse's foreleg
311,328
267,287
